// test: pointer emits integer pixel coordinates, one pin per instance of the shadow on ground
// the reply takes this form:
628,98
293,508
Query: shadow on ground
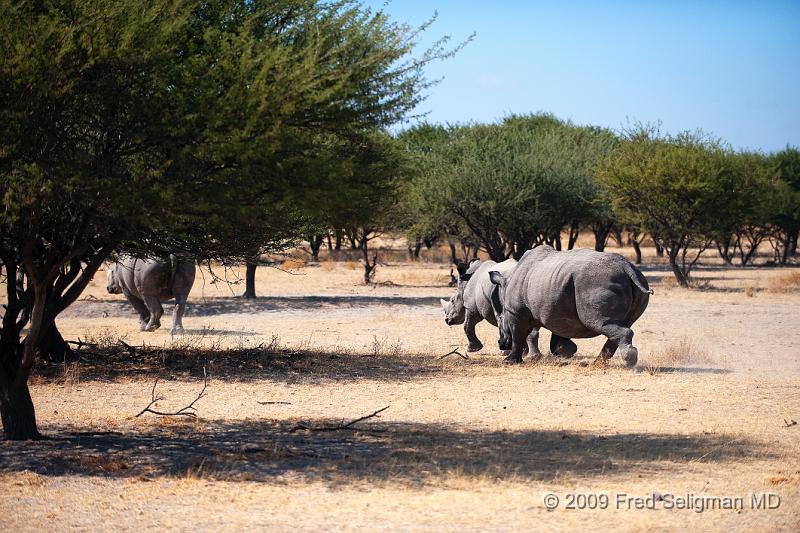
114,362
406,453
97,308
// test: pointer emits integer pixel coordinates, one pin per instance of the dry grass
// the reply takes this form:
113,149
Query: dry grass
683,353
466,444
790,281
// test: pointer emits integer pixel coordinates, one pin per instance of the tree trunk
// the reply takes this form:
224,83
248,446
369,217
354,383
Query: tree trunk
659,248
352,238
369,268
338,245
16,407
53,347
330,244
601,233
315,241
724,249
638,249
250,281
417,248
17,412
793,237
680,275
453,254
574,233
617,233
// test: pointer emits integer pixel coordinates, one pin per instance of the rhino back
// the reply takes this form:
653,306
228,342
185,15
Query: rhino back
473,292
573,293
152,278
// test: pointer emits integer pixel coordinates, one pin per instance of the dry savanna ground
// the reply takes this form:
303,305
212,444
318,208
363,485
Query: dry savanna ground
465,444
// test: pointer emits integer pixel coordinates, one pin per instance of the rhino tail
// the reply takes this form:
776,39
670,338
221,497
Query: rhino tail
637,278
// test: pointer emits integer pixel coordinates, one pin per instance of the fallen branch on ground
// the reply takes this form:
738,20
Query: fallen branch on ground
454,352
789,423
349,425
274,403
189,410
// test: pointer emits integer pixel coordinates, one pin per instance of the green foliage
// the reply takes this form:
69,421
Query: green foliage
514,184
785,166
675,187
155,126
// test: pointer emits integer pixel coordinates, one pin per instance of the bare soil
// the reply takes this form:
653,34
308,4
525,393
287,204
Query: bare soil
466,444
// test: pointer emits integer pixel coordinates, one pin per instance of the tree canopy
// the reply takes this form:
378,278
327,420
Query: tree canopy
154,126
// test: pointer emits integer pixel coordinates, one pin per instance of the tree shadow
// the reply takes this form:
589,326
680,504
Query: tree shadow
405,453
235,305
246,364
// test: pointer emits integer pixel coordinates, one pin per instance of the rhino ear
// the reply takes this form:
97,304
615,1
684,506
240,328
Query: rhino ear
496,277
445,304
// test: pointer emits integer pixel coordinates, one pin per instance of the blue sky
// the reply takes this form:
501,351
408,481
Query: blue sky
730,68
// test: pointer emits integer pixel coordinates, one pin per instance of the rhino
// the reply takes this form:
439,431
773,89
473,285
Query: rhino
470,304
148,282
575,294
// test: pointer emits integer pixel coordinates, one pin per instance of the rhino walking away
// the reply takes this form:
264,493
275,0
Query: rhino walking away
148,282
574,294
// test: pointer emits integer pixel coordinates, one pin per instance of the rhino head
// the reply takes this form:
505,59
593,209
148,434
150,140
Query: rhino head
454,311
498,295
113,285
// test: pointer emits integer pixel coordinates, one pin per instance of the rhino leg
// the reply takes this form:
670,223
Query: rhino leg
562,347
532,345
177,314
470,321
141,310
154,306
621,337
519,340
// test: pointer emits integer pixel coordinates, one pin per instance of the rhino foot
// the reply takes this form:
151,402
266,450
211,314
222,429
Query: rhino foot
566,349
512,359
631,357
152,327
474,347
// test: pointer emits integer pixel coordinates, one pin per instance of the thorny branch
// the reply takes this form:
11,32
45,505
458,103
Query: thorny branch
189,410
349,425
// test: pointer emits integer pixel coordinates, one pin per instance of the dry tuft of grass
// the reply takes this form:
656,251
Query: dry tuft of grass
787,282
683,353
293,264
26,478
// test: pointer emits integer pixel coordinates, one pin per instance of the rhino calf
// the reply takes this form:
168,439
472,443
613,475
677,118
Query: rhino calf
574,294
148,282
471,304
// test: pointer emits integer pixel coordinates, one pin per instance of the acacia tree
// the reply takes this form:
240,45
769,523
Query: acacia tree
675,187
154,127
746,221
517,184
786,209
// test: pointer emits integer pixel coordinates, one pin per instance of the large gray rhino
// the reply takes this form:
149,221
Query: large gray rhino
148,282
471,303
574,294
